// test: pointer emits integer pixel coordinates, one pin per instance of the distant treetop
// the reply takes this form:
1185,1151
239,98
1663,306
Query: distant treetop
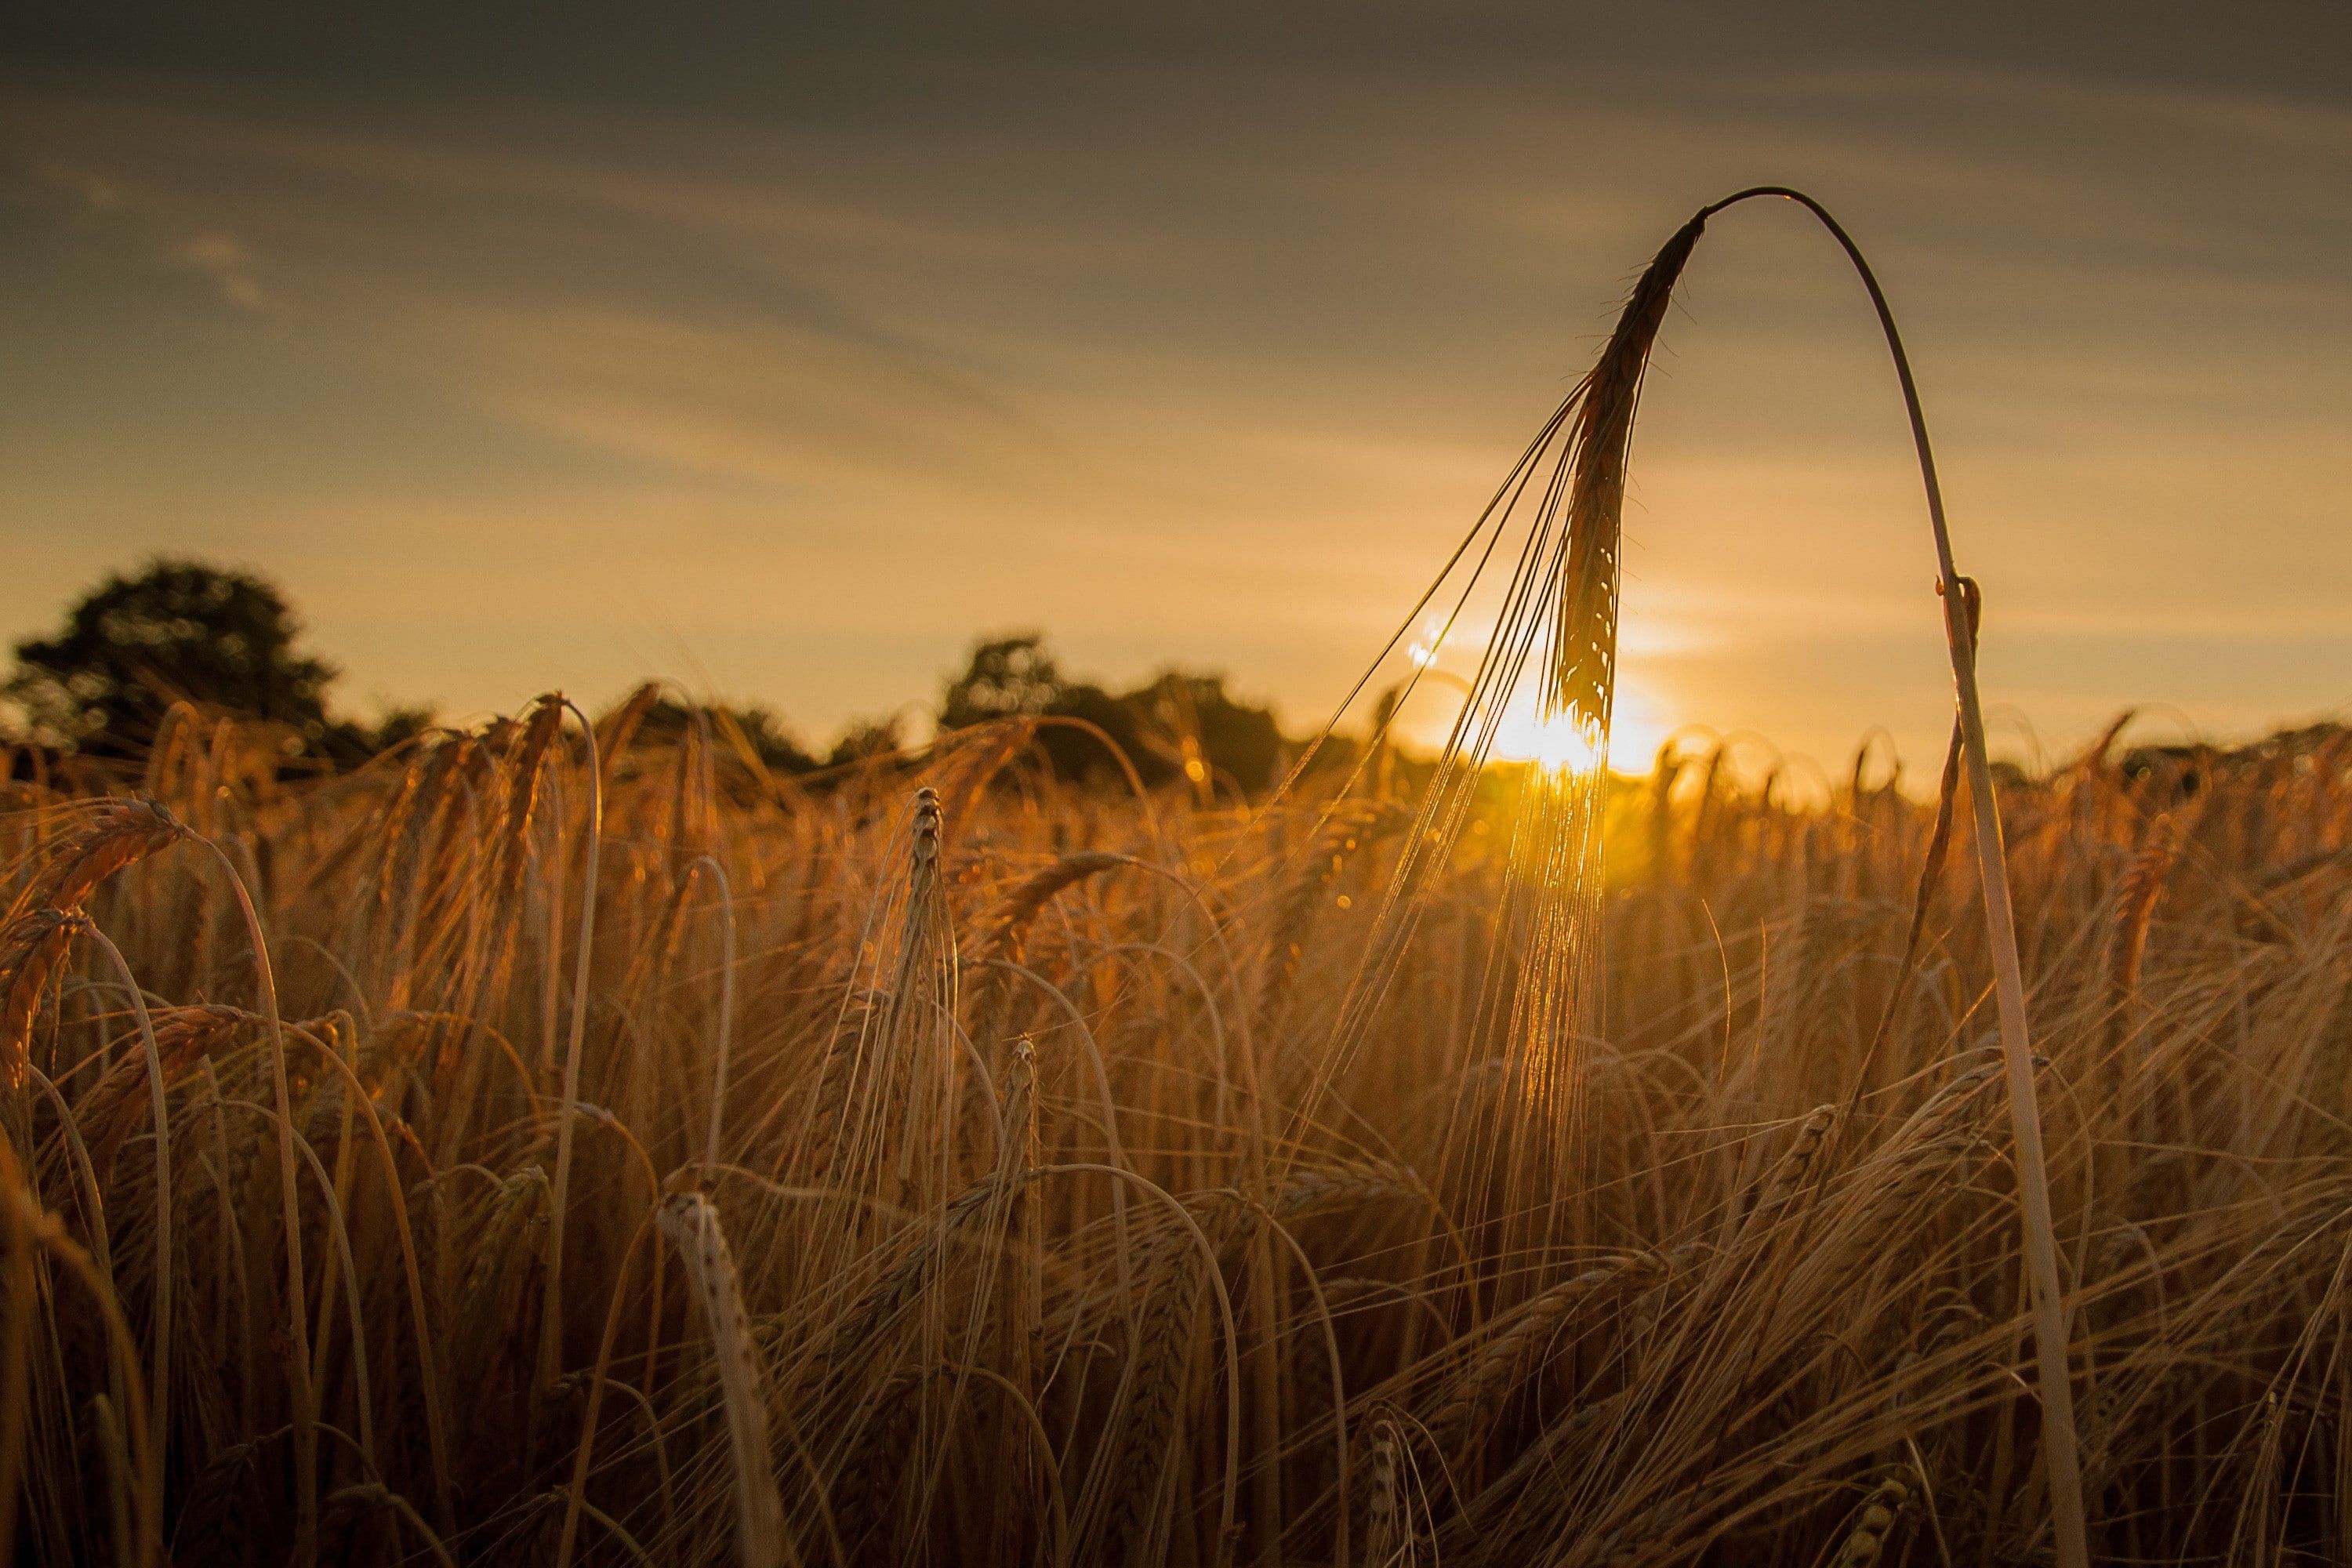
177,631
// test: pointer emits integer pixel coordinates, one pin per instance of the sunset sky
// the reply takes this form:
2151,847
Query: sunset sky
563,345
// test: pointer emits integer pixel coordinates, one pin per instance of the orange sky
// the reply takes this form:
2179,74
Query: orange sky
786,364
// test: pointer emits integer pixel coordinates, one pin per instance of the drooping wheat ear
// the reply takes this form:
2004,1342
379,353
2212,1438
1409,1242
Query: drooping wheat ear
1953,1102
1789,1174
975,756
354,1503
502,1251
1000,932
865,1494
32,947
1501,1363
525,769
1584,650
213,1524
691,1223
2143,885
1160,1380
183,1036
869,1321
110,835
1893,1195
1331,1189
618,727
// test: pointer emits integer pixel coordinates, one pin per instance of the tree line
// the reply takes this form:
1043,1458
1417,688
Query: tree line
227,641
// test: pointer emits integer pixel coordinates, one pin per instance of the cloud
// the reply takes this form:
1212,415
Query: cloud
98,203
1214,359
221,257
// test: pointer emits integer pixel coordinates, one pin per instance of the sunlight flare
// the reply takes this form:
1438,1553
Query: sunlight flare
1565,742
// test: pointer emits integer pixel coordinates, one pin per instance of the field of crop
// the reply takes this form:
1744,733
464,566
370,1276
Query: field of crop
879,1176
567,1142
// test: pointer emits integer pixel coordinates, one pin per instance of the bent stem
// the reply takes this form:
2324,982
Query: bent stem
2058,1436
298,1332
159,1403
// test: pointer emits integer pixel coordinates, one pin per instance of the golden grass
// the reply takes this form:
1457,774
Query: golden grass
1017,1247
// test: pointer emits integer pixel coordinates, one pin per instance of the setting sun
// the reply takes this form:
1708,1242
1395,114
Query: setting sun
1560,741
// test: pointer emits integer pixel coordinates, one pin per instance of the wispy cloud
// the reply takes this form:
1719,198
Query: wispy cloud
99,204
1210,360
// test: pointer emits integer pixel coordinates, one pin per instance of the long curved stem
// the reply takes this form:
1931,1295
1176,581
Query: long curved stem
159,1403
298,1332
2058,1437
551,1324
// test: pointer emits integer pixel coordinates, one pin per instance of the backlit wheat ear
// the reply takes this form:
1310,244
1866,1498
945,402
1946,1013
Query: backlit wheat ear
524,773
2135,902
1584,650
32,947
111,835
691,1223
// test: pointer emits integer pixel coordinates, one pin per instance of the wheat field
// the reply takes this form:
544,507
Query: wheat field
953,1167
558,1142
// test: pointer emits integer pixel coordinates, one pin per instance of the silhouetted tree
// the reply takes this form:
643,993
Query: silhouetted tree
177,631
184,631
1168,727
1006,677
1195,718
866,740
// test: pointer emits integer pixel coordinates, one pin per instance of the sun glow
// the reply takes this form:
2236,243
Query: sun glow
1562,743
1558,742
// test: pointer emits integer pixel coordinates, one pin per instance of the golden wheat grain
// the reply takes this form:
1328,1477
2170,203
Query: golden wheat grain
691,1223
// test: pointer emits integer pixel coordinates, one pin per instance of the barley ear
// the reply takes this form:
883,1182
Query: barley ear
691,1223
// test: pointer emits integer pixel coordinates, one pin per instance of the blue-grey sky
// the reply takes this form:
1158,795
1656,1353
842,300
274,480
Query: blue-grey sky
781,349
